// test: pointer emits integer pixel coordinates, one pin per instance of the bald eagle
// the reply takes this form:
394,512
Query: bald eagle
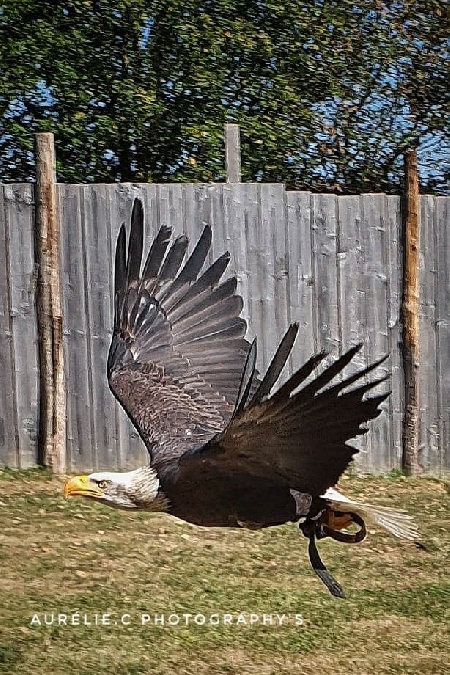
225,451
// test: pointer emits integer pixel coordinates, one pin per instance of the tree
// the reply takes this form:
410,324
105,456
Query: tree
328,93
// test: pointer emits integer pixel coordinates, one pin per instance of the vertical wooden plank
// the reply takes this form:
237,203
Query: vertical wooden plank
238,201
373,233
275,270
194,211
19,216
190,216
324,246
100,321
428,445
9,455
352,292
131,450
395,265
233,153
110,193
443,328
350,260
301,278
221,229
76,331
258,271
203,216
374,242
241,213
171,209
228,235
150,198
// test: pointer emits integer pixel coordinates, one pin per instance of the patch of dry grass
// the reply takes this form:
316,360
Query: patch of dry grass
63,557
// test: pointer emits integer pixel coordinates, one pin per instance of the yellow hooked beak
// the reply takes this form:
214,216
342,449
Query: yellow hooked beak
81,485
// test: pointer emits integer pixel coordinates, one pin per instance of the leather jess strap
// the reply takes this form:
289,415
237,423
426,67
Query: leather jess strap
319,568
330,524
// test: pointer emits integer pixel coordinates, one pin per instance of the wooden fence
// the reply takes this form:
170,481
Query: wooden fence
331,263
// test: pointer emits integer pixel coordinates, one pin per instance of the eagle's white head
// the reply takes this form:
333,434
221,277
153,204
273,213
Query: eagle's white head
138,489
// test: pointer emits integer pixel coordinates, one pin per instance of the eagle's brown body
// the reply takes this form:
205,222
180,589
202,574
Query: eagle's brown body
230,501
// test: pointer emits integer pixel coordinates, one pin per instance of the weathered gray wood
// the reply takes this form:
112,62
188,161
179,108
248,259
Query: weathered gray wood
257,264
19,214
80,451
221,231
98,300
239,201
272,246
131,451
428,445
9,449
352,291
301,279
443,328
324,247
171,207
332,263
233,153
241,204
350,261
373,238
395,262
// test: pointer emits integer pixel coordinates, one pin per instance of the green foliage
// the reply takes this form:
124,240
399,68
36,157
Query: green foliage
328,93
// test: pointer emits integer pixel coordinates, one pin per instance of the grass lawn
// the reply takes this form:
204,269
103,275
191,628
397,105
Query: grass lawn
63,557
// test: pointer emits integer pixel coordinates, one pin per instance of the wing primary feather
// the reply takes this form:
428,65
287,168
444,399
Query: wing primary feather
174,259
136,242
198,295
197,258
335,368
332,370
209,279
213,274
177,290
246,379
340,386
297,378
327,397
320,381
277,364
157,252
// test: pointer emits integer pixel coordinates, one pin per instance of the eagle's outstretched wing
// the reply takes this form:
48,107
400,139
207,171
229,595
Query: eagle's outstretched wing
178,350
298,437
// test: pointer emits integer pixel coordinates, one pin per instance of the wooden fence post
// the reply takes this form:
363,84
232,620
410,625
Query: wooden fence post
233,153
410,314
52,432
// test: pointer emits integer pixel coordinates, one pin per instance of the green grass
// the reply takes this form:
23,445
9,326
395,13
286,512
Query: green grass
66,557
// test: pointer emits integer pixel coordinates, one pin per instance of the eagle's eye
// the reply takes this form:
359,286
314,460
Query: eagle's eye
102,484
